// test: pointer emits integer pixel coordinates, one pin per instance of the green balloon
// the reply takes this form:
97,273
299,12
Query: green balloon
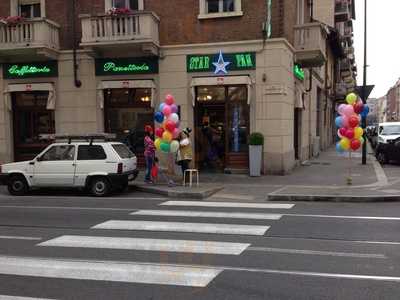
165,147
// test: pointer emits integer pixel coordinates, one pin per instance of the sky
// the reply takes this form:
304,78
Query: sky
383,47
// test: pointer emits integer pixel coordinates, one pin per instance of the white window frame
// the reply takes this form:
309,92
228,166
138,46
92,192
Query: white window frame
204,14
14,6
108,4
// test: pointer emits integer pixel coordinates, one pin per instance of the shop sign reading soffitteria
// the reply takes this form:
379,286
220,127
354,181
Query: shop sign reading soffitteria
126,66
30,70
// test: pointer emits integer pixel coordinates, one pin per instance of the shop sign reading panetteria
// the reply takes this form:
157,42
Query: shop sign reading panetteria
221,63
30,70
126,66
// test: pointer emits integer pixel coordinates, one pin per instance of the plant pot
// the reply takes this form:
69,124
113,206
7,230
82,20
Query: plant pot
255,160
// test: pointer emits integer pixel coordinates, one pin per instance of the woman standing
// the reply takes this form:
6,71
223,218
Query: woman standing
149,152
185,154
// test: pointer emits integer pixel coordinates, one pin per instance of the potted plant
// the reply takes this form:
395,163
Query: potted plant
256,142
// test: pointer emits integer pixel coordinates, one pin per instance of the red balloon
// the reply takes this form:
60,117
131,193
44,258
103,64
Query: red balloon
159,132
355,144
353,121
358,107
170,126
349,134
343,131
169,99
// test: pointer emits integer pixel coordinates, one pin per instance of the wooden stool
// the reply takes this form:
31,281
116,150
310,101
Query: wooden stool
191,172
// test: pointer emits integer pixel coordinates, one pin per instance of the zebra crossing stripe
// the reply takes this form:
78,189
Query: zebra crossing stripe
228,204
207,214
7,297
141,244
108,271
183,227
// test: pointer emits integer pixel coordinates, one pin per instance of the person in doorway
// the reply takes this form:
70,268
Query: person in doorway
149,152
185,153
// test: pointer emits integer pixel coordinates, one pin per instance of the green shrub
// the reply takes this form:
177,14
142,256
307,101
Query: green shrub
256,139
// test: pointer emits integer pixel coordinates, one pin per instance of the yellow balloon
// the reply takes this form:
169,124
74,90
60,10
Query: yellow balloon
345,143
358,132
157,143
167,136
351,98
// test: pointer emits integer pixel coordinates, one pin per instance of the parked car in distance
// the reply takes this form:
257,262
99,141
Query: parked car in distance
389,151
98,166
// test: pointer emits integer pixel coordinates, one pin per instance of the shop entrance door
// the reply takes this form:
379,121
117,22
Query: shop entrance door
221,128
126,113
30,119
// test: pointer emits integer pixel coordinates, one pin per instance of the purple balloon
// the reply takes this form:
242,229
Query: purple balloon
174,108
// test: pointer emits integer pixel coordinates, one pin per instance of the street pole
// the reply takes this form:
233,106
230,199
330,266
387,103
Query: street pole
364,118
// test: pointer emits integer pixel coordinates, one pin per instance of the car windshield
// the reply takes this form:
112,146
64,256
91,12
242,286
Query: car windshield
123,151
390,129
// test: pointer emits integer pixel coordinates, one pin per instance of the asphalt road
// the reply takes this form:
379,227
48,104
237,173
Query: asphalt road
57,245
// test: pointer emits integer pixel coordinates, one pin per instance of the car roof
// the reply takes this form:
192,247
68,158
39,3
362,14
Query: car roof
389,123
87,143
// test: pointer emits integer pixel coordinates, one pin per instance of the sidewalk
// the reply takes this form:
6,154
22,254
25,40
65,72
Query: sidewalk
321,179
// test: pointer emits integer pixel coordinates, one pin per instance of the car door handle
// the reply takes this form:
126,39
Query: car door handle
74,165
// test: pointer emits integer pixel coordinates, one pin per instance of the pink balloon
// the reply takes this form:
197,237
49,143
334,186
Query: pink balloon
348,110
167,110
175,133
169,99
345,121
341,109
174,108
341,132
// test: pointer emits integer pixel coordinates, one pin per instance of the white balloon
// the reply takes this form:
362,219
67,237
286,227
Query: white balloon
174,146
174,118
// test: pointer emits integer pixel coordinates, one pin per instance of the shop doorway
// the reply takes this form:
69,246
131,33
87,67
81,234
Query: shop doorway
222,122
30,119
126,113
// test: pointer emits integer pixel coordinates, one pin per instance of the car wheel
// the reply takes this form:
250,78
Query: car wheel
99,187
382,158
17,186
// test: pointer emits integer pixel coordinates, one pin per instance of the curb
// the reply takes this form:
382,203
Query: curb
179,194
333,198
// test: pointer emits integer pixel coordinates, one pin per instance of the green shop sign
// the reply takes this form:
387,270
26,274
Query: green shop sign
298,72
126,66
221,63
30,70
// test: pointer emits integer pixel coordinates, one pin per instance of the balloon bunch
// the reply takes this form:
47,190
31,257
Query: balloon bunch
348,122
168,129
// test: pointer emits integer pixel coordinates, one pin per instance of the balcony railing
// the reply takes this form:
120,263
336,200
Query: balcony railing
310,44
342,11
35,33
106,30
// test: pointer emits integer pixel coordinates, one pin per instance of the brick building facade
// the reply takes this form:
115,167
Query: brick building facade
126,64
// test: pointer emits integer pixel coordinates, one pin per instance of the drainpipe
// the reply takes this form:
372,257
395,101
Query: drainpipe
77,82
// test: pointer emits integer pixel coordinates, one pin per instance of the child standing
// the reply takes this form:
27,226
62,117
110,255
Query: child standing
149,152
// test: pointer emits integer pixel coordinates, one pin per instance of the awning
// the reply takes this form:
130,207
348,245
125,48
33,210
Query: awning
125,84
228,80
28,87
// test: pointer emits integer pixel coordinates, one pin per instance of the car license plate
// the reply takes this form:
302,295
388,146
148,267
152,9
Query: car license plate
130,177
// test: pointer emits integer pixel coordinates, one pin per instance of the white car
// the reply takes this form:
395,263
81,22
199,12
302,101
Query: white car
388,131
99,167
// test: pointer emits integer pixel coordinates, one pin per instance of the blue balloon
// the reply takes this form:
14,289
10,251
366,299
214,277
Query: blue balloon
159,117
339,122
161,107
339,148
365,111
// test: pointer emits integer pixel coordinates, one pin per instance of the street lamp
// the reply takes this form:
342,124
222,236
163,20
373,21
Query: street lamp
364,96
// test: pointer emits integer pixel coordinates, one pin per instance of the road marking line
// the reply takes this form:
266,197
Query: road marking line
82,197
108,271
344,217
67,208
183,227
186,246
12,237
312,252
227,204
206,214
7,297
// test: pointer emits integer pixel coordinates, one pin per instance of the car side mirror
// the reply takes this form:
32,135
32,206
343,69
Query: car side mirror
39,158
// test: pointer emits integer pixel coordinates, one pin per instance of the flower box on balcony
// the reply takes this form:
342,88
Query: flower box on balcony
13,20
115,12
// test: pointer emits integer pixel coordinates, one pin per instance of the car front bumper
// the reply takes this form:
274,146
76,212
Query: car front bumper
4,179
